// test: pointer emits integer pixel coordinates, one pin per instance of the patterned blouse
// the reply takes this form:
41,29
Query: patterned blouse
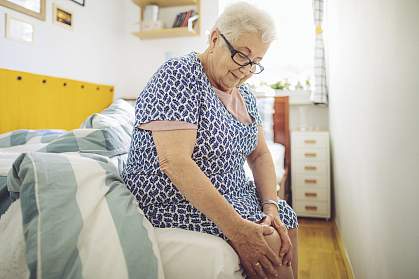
181,91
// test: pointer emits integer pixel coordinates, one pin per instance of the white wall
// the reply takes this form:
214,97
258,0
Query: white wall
100,48
141,58
84,53
374,98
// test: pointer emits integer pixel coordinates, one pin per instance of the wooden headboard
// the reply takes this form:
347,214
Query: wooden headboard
282,135
31,101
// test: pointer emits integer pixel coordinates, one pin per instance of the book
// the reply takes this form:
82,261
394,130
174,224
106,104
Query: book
176,21
182,18
185,19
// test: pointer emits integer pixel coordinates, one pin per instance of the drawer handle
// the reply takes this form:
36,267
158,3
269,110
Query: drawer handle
310,181
312,208
310,141
310,168
308,194
310,154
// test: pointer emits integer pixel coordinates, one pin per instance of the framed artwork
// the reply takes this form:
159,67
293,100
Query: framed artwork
80,2
62,17
18,30
35,8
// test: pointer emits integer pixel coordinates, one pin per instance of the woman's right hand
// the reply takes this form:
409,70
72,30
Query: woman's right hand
256,257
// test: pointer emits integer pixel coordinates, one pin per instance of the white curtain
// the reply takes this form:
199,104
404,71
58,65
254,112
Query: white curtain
319,94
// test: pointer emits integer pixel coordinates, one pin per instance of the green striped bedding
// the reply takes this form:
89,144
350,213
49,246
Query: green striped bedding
79,219
20,137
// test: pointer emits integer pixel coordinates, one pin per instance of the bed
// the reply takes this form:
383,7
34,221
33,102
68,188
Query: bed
64,210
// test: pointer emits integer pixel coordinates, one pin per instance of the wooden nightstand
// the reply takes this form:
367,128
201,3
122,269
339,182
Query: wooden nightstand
310,173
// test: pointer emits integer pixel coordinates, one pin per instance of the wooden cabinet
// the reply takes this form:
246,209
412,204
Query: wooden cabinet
310,173
169,32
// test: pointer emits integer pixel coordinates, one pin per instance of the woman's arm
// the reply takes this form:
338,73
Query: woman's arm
263,169
174,149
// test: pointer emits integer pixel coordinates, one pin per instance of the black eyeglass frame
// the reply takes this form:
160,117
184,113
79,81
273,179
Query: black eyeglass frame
234,51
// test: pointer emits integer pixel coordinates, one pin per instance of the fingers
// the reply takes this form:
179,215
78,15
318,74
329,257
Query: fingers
267,230
273,257
288,258
285,247
260,272
266,221
285,239
268,267
285,253
248,268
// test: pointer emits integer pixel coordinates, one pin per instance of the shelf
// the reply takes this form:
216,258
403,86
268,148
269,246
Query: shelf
165,3
166,33
194,24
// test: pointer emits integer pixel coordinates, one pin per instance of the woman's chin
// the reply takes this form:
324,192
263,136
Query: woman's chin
231,83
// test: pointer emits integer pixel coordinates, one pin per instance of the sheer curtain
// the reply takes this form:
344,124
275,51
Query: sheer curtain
320,93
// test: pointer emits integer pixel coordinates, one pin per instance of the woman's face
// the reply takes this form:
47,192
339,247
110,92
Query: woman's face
225,72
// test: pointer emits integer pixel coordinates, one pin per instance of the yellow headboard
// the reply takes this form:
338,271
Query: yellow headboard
30,101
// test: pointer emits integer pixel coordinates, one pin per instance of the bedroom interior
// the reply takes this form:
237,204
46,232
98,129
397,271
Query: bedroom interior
348,167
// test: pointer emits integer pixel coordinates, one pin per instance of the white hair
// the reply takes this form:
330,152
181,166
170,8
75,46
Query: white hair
243,17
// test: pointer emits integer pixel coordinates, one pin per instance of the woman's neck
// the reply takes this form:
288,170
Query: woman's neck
209,70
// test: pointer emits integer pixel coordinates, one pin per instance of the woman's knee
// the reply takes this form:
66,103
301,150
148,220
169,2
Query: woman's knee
274,241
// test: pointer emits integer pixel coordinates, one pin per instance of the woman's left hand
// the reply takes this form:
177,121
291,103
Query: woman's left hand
285,254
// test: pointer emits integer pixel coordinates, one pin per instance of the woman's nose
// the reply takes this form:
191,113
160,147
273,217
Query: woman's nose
246,70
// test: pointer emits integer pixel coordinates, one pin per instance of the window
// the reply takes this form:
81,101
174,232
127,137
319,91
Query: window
290,57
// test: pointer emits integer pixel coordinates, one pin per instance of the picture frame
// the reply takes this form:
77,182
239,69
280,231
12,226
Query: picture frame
35,8
62,17
80,2
18,30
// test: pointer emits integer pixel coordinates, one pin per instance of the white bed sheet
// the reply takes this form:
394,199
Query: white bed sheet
184,254
190,255
278,156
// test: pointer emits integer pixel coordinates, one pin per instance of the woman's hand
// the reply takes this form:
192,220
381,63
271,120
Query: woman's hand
256,257
272,219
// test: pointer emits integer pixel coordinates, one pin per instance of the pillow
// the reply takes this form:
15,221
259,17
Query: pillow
79,220
20,137
5,199
109,142
278,156
119,114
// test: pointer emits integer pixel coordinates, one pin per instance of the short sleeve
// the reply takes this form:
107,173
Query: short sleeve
170,95
250,101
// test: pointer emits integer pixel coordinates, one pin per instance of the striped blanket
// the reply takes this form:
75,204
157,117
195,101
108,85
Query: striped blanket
20,137
78,219
112,142
119,114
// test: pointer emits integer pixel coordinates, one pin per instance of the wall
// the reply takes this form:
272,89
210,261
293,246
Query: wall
374,98
100,48
141,58
84,53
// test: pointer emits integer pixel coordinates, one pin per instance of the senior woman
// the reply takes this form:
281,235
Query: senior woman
196,124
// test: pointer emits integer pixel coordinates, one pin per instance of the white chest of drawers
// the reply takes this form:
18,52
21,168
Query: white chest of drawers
310,173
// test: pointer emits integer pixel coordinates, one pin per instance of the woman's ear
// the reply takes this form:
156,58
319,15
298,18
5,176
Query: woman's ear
213,39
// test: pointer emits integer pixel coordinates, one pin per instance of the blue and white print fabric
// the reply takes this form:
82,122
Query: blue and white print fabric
181,91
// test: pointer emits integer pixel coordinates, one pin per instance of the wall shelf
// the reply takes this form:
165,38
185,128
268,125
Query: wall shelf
169,32
166,33
165,3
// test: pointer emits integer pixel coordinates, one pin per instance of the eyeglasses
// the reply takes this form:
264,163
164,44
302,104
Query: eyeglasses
242,59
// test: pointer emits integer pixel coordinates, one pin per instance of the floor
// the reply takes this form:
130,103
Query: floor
319,256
